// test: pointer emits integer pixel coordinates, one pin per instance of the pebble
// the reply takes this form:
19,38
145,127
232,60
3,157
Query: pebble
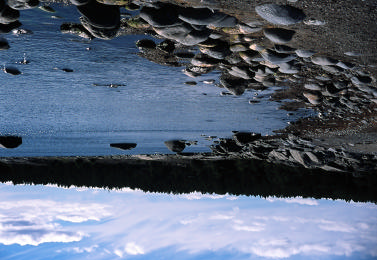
280,14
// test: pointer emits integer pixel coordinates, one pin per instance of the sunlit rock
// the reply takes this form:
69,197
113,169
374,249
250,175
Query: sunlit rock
314,99
47,9
280,14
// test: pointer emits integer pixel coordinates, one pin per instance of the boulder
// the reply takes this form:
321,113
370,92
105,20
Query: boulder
176,146
10,142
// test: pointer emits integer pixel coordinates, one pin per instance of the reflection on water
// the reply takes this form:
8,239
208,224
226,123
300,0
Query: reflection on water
47,222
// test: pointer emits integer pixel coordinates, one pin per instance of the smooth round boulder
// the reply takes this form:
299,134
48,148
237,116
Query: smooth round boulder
279,35
23,4
100,16
280,14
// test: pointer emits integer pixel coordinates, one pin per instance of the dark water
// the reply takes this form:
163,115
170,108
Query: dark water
76,96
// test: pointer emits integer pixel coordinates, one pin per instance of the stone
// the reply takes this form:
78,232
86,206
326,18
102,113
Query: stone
6,28
243,138
166,15
239,47
289,68
305,53
176,146
345,65
200,16
227,21
98,32
204,61
9,15
241,72
10,142
283,49
100,16
249,56
235,86
124,146
280,14
314,22
146,44
12,70
4,45
76,29
361,80
313,86
138,23
277,58
279,35
324,61
23,4
246,29
314,99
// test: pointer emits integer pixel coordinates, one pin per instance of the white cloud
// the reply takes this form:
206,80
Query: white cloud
298,200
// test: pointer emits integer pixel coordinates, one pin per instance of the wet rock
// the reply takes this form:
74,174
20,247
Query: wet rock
200,16
277,58
279,35
4,45
191,83
345,65
332,69
165,16
243,138
114,2
219,52
47,9
352,54
361,80
204,61
313,86
323,61
289,68
145,44
12,70
246,29
9,15
23,4
138,23
241,72
166,46
227,21
313,98
280,14
176,146
305,53
235,86
184,55
100,16
6,28
249,56
123,146
283,49
215,35
21,31
239,47
184,34
98,32
79,2
10,142
76,29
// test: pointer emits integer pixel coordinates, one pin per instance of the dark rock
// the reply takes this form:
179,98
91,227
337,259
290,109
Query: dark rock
67,70
146,43
167,46
76,29
47,8
6,28
9,15
200,16
12,71
184,55
176,146
23,4
280,14
101,33
100,16
279,35
123,146
283,48
10,141
235,86
227,21
4,45
165,16
243,138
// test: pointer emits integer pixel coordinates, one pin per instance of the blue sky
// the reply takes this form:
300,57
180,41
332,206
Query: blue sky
38,222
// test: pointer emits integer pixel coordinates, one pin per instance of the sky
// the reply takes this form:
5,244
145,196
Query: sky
40,222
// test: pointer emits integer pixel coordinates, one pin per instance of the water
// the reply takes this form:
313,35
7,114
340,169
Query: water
77,113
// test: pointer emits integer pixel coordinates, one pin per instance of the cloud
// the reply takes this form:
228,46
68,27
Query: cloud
298,200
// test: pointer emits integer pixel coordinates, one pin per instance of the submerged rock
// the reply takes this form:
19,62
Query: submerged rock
12,70
176,146
4,45
145,44
279,35
123,146
10,142
280,14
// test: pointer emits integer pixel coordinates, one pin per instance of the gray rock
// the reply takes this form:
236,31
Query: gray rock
289,68
227,21
283,49
305,53
241,72
345,65
324,61
100,16
279,35
8,15
277,58
313,86
200,16
280,14
243,138
23,4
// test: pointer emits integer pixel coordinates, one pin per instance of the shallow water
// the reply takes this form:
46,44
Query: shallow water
77,113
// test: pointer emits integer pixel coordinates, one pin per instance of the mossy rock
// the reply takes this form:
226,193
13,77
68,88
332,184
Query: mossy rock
138,23
114,2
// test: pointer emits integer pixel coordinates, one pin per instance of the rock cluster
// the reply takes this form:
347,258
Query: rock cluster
294,151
